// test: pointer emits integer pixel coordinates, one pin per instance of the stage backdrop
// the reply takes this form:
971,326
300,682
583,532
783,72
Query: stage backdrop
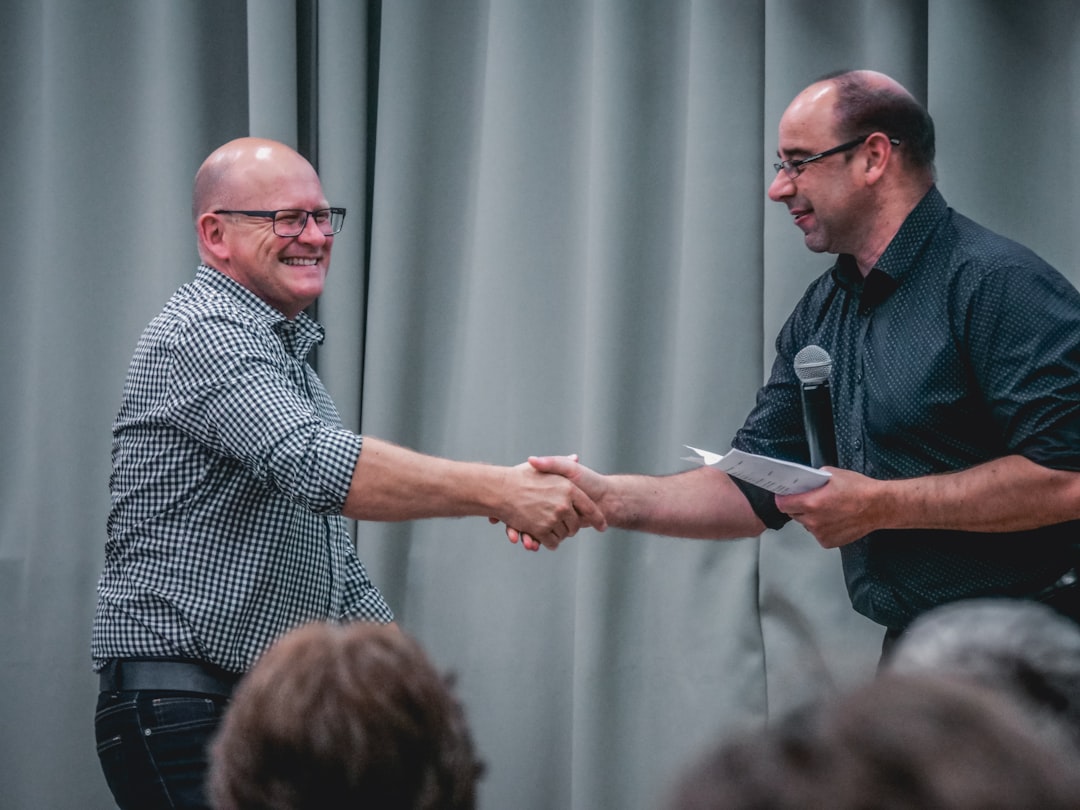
558,240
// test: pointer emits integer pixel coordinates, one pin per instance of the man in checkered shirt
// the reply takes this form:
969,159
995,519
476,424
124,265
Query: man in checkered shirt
233,478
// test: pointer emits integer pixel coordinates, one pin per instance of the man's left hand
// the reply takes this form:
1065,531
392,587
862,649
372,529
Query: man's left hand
838,513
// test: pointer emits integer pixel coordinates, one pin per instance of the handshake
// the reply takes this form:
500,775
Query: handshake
549,499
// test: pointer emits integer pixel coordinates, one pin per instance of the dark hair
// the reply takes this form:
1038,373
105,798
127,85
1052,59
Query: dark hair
863,107
344,717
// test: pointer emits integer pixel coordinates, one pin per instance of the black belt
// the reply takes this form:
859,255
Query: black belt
129,675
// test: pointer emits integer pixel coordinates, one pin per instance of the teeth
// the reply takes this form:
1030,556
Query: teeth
301,262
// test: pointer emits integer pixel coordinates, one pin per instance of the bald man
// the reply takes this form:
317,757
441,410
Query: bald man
233,477
955,382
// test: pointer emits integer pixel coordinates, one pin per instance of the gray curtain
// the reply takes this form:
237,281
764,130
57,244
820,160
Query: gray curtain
558,241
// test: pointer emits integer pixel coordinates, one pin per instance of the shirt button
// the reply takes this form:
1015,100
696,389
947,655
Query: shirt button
858,444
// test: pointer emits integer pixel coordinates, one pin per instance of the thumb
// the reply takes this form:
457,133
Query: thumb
560,465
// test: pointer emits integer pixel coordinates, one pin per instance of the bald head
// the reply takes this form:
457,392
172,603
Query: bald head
877,81
872,147
241,171
237,192
865,101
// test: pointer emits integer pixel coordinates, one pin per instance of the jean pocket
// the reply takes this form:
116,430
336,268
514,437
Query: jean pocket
113,716
177,732
114,724
176,713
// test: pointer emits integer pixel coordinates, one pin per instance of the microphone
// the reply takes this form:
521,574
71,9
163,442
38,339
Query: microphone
813,367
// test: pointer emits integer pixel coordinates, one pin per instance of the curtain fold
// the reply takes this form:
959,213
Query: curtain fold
558,240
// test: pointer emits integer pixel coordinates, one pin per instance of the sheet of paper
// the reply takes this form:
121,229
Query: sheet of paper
781,477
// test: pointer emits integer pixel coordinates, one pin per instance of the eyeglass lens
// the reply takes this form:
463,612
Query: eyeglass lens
291,222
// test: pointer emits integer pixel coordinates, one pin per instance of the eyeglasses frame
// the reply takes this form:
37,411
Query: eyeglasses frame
793,168
272,216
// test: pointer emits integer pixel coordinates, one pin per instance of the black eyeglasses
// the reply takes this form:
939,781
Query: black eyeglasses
289,222
793,168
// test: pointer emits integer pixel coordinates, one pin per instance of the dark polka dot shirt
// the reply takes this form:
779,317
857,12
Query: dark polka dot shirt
959,347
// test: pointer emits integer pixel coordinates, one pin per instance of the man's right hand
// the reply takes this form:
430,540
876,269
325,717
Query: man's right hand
547,508
586,481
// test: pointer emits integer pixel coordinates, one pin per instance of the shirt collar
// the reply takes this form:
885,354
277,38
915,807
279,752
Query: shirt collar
913,235
901,253
298,335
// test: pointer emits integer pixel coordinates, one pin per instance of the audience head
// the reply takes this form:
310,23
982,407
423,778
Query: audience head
1023,648
901,742
344,716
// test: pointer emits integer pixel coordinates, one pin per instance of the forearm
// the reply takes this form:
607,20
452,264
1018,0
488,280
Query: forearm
702,504
392,483
1007,494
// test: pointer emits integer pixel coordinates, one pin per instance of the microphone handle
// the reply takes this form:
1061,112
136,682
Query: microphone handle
818,421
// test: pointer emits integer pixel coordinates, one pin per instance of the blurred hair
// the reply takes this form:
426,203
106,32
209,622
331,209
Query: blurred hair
1023,648
897,743
344,716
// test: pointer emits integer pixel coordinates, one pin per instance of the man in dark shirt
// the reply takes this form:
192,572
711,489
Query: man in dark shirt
955,382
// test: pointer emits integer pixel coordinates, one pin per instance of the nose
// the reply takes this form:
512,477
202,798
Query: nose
782,186
311,232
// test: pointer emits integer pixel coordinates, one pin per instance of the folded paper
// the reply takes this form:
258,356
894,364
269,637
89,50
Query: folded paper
781,477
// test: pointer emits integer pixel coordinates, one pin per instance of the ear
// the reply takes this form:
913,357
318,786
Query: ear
878,154
210,230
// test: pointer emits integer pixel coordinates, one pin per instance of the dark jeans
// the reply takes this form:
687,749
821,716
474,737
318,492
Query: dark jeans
153,746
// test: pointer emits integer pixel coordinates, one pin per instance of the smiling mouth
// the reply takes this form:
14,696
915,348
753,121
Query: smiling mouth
300,262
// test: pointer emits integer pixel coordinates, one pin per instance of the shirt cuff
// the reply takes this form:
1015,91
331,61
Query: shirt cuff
763,503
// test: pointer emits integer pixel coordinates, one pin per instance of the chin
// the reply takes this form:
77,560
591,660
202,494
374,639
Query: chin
302,299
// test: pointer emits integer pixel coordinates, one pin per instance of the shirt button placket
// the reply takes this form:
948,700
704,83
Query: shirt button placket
858,412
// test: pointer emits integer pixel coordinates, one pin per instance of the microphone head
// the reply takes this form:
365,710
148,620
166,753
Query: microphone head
813,365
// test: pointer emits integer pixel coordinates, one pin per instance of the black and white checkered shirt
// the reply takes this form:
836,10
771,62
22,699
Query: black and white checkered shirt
230,470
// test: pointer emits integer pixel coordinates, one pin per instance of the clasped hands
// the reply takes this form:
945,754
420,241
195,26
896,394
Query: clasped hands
550,504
